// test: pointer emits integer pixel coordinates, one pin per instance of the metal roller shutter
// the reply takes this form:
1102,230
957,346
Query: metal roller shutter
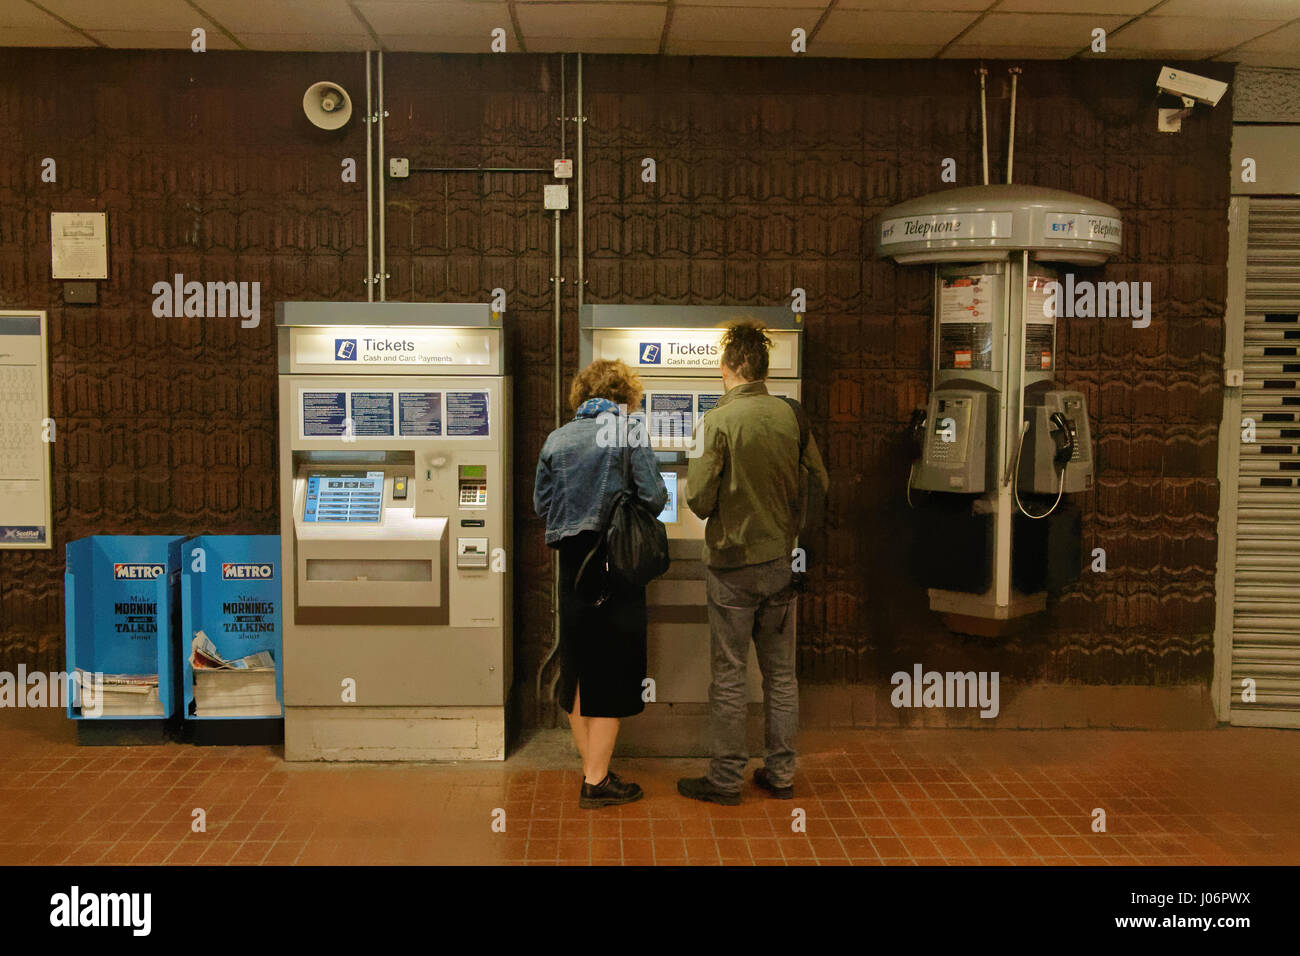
1266,575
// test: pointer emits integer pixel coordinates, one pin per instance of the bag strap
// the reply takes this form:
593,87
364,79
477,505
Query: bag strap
627,462
801,419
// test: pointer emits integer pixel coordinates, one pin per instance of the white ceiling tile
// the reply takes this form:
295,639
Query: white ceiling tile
975,51
818,5
442,43
302,17
126,15
758,29
958,6
592,45
34,36
463,20
868,51
159,39
307,42
1129,8
1232,9
20,13
691,46
1159,35
1064,31
582,20
1285,40
860,26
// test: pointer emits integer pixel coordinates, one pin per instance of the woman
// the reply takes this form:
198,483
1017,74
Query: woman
602,642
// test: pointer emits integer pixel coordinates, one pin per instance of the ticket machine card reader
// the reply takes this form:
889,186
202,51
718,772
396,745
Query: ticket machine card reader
953,452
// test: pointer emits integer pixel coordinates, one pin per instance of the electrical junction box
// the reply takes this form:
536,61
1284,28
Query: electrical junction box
556,197
399,167
564,169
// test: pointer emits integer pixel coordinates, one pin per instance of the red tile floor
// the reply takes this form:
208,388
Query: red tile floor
1230,796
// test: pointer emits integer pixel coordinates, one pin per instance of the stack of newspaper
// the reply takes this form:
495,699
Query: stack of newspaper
240,688
118,695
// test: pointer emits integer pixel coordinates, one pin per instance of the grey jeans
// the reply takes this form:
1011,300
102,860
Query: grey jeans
756,604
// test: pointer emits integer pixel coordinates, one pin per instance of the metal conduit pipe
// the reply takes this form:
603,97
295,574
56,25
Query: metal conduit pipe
557,349
984,122
370,201
1011,133
383,230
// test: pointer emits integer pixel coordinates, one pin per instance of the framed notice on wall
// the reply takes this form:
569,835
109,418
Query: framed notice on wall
79,245
26,431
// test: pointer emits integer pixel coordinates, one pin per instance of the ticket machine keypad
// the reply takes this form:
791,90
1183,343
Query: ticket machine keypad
473,494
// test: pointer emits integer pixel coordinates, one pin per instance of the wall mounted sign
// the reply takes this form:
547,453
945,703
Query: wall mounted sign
25,432
79,245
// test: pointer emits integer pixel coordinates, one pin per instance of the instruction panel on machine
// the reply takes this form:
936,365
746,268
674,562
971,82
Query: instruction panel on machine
25,432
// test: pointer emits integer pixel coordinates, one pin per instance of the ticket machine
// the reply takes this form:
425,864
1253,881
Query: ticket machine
395,529
676,350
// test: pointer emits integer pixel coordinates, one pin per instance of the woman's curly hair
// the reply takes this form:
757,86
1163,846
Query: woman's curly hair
606,378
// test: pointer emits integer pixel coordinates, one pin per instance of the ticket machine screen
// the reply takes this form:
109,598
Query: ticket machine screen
335,497
669,514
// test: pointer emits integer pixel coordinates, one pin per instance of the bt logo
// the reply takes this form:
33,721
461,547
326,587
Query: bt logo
1066,227
345,350
650,354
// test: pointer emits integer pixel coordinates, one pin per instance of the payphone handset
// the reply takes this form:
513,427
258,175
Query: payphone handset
1055,455
1066,436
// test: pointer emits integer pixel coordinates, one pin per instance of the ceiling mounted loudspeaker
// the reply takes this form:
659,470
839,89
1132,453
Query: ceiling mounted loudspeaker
327,105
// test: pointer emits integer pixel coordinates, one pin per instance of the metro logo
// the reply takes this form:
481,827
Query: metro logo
247,572
137,572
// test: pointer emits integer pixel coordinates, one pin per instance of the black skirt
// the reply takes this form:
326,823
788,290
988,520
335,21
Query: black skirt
602,647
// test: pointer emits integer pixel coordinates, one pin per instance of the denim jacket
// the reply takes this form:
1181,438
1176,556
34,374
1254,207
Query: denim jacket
581,470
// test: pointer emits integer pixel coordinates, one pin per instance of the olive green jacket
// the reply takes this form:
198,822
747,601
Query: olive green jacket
745,480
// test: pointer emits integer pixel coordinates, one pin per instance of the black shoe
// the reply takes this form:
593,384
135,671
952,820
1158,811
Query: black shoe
610,792
699,788
763,781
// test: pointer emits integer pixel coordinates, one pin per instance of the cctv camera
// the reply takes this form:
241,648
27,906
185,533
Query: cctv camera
1201,89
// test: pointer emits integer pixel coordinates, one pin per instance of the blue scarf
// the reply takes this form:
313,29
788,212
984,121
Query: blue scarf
595,406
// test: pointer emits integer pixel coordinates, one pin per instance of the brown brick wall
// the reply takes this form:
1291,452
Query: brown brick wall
769,174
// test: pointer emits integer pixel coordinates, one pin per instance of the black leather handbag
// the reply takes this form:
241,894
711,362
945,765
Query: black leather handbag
633,550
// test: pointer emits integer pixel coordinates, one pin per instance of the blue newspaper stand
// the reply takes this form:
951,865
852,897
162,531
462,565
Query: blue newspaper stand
119,600
230,590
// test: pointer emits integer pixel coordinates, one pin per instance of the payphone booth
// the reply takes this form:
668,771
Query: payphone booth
1000,444
676,350
396,530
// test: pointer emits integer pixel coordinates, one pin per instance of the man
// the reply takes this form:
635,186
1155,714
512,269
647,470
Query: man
745,482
